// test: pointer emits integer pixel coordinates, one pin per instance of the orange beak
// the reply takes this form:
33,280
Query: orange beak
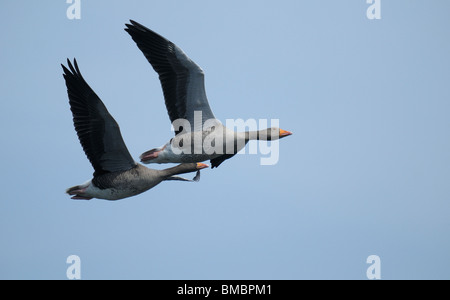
284,133
201,166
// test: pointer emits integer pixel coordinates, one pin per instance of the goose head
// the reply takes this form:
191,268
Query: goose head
273,133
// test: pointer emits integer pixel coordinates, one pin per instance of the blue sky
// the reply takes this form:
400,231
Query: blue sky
365,173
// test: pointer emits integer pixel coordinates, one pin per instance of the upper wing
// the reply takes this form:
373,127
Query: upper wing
182,80
98,132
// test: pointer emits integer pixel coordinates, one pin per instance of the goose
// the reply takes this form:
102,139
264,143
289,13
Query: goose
116,175
183,86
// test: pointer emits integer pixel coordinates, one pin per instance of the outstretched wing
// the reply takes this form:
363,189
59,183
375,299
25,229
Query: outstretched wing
98,132
182,80
215,162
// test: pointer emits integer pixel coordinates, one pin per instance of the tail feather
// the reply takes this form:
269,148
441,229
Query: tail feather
78,191
71,190
147,156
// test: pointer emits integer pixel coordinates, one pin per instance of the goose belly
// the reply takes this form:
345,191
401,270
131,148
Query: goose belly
120,189
198,151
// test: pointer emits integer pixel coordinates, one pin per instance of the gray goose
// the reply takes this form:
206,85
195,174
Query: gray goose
183,85
116,175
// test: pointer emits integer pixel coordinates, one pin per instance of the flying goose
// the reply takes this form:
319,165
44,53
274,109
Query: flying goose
116,175
183,85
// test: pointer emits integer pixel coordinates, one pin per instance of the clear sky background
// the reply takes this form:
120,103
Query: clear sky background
367,171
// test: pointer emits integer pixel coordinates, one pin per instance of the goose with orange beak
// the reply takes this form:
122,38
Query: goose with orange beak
183,85
116,175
